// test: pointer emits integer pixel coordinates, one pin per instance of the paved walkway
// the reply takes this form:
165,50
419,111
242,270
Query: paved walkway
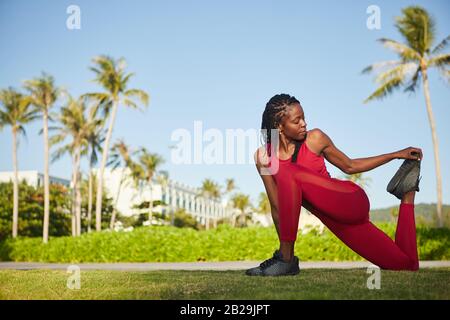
227,265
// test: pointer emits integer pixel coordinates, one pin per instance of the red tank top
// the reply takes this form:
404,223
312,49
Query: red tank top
309,159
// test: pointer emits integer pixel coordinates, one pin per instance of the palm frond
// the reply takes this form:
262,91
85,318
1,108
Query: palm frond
441,60
380,66
418,28
401,71
129,103
403,50
139,94
414,83
60,152
385,89
442,45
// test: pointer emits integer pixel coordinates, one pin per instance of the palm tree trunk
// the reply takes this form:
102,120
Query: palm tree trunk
15,187
113,216
435,146
150,204
98,207
72,196
46,180
78,193
89,217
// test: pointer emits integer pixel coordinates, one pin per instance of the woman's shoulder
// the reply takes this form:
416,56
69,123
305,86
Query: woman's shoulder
314,140
314,133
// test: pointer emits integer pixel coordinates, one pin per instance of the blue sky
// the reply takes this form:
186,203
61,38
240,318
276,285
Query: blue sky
219,62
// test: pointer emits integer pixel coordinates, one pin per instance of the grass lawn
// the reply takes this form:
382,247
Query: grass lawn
309,284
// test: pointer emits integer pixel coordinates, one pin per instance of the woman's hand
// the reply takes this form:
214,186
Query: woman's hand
410,153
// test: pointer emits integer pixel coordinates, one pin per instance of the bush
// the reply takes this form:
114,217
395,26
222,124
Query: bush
172,244
184,220
31,211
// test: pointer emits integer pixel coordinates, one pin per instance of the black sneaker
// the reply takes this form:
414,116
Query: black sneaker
275,266
257,271
406,179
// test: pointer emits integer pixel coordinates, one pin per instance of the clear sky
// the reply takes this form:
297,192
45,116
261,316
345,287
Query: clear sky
219,62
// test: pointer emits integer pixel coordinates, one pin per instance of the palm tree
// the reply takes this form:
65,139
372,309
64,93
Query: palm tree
111,75
149,162
210,189
416,56
16,113
212,192
242,203
75,125
230,185
120,157
95,137
163,179
43,94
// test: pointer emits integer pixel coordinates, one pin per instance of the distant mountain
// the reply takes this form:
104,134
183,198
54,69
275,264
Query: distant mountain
425,213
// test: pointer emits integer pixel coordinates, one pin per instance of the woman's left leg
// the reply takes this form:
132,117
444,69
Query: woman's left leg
373,244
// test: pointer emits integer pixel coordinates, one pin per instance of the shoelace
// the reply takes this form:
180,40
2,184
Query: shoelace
268,262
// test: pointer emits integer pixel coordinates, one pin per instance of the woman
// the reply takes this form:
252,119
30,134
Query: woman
298,177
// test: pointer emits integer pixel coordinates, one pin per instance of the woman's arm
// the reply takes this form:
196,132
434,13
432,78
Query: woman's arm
352,166
270,186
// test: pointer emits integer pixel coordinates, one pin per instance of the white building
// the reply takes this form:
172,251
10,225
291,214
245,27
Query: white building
33,178
174,194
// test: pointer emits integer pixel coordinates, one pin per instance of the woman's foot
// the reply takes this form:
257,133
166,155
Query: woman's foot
406,179
275,266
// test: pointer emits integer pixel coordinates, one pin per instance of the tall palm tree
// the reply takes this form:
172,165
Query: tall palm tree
120,157
16,113
416,57
150,162
74,125
43,94
95,138
111,75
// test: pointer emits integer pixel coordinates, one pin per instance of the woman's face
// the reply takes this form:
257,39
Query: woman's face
293,123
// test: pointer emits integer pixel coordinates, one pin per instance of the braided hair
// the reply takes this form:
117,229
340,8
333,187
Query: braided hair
274,112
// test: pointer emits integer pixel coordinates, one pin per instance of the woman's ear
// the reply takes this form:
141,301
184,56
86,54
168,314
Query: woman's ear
280,128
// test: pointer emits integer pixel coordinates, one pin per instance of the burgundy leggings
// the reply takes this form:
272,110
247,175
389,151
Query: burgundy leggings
343,207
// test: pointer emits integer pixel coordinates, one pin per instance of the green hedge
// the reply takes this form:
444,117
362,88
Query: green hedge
171,244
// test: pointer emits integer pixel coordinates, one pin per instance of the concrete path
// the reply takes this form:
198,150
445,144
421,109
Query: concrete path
227,265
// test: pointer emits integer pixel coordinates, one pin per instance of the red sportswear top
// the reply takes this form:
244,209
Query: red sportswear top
309,159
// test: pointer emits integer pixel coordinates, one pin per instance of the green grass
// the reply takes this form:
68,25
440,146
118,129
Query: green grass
309,284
